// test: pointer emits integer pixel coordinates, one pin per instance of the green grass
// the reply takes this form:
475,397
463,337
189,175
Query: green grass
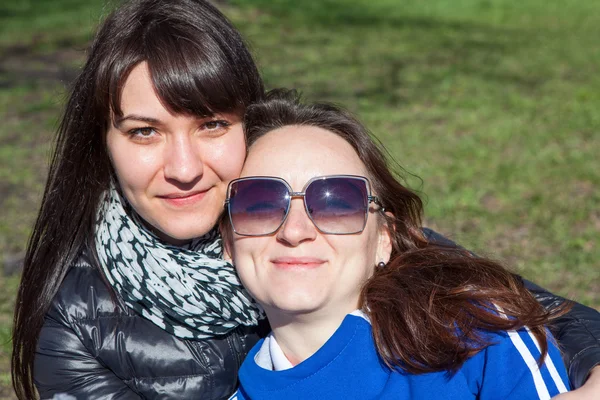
49,24
495,105
8,288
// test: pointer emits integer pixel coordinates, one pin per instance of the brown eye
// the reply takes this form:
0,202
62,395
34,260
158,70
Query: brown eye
143,135
143,132
216,124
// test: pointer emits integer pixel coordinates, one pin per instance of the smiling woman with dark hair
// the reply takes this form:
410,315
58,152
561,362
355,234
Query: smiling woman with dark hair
124,293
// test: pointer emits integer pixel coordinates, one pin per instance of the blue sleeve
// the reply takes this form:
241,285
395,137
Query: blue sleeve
509,369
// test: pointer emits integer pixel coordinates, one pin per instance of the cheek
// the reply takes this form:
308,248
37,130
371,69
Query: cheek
229,154
358,255
245,256
134,166
240,254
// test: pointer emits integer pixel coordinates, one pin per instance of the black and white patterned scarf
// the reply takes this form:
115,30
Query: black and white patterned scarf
189,291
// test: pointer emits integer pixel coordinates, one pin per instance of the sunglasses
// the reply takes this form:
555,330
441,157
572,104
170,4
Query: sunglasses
336,204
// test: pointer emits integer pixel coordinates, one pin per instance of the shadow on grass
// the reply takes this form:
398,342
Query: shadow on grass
399,59
26,10
23,65
43,41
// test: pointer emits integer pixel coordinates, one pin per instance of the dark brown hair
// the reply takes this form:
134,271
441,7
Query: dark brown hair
432,306
199,65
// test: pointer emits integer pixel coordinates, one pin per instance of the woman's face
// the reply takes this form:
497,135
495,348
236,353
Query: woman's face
299,270
173,168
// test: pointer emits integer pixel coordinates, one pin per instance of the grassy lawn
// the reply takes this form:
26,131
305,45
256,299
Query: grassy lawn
495,105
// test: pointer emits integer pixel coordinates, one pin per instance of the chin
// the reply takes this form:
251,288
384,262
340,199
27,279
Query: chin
297,304
177,234
181,226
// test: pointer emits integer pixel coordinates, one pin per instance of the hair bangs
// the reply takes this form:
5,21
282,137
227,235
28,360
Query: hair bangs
111,87
195,69
194,77
187,78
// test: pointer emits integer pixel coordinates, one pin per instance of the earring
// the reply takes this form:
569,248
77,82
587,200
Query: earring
381,264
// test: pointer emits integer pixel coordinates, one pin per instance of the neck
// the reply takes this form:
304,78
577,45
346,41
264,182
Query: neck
302,335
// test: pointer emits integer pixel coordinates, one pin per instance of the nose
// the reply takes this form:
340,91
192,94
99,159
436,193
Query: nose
297,227
183,159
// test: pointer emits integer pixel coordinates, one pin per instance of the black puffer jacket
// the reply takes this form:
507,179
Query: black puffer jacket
101,351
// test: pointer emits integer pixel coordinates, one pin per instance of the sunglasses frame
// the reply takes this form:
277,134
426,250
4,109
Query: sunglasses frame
292,195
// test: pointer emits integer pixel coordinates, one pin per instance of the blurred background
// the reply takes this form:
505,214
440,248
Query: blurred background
492,108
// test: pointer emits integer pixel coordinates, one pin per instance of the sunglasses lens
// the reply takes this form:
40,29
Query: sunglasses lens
338,205
257,206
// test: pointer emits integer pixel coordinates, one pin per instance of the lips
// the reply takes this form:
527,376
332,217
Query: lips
297,262
182,199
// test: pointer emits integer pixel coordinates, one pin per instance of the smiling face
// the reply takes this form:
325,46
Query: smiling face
298,270
172,168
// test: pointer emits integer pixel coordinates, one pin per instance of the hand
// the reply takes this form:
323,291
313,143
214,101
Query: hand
589,390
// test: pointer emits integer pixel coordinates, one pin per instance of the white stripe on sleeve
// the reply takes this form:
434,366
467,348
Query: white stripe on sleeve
560,385
529,359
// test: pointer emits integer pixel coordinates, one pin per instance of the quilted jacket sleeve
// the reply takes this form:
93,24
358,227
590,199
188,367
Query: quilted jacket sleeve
578,332
64,365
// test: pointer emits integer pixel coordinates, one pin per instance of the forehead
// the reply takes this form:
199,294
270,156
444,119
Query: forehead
299,153
138,94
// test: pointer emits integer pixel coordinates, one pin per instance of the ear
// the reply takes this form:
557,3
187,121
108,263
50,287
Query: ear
384,246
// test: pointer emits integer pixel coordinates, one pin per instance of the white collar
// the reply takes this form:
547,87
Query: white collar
271,357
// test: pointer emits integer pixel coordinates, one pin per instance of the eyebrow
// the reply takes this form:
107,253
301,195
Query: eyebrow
134,117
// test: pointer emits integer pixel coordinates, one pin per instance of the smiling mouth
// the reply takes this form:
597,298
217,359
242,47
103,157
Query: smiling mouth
183,199
297,262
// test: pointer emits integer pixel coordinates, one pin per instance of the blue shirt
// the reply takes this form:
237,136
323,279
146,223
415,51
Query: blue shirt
347,366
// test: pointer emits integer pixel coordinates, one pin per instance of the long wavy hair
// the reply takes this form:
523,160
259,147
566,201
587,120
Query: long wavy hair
199,65
432,306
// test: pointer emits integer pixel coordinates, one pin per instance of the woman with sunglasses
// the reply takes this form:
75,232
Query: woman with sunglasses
124,292
361,304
